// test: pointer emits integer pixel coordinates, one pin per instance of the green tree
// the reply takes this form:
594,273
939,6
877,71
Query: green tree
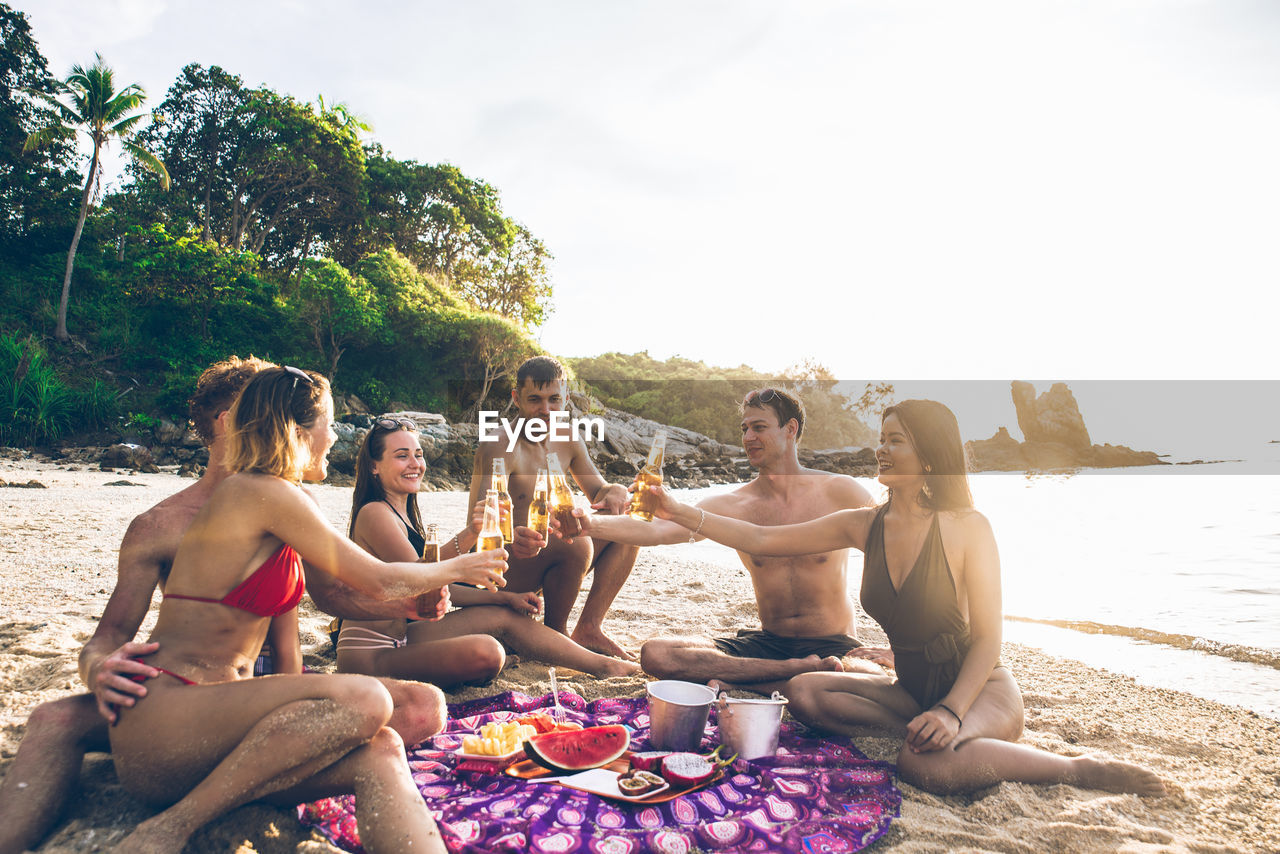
203,122
514,281
36,188
336,308
451,226
498,346
94,107
192,274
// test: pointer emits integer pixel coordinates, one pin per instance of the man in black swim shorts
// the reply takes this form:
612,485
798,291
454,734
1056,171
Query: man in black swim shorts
807,616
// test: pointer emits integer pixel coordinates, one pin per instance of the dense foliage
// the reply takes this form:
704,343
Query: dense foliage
282,232
252,222
704,398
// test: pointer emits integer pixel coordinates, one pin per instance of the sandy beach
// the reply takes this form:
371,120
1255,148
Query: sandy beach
57,568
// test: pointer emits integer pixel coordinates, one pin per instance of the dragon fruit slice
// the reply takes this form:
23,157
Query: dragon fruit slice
649,761
687,769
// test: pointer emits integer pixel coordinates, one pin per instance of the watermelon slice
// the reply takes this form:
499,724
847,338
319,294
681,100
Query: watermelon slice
592,747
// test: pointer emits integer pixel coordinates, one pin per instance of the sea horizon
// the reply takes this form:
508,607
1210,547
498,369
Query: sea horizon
1169,574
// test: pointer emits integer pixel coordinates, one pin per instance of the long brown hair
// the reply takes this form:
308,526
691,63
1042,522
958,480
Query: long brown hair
368,488
935,435
263,437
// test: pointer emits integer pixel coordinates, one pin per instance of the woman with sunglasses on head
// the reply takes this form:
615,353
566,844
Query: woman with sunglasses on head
206,738
931,579
468,644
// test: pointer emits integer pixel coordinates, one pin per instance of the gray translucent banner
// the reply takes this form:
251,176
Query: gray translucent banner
1197,426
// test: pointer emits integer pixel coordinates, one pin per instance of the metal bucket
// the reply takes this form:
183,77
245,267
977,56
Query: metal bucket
678,714
750,727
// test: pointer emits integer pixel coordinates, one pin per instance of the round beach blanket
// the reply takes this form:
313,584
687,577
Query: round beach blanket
816,795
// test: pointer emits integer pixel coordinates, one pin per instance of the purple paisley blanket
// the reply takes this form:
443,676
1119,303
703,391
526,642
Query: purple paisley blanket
816,795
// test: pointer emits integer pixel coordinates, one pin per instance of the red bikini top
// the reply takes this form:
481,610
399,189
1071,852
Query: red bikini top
275,588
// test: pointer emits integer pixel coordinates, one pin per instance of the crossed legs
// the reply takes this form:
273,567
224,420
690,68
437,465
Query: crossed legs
229,743
984,752
558,571
696,659
519,633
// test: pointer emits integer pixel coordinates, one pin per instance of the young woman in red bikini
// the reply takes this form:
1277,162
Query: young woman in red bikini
206,738
931,578
469,643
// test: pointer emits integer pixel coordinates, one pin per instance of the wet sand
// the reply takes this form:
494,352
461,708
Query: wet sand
1221,763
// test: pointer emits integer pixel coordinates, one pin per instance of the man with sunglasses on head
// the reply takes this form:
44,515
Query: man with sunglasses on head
60,732
807,617
560,566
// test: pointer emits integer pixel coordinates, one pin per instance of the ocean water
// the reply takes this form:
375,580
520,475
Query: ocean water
1170,574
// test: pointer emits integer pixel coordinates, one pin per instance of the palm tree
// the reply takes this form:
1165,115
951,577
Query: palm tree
94,107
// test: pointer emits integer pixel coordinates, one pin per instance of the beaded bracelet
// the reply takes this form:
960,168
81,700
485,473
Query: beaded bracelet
693,536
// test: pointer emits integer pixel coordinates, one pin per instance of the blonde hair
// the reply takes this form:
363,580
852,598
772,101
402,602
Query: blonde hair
262,434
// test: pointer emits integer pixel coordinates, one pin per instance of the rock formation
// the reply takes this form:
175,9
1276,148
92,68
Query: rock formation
1056,438
1053,417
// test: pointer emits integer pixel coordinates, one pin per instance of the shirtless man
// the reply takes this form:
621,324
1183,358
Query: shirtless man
60,732
807,620
559,568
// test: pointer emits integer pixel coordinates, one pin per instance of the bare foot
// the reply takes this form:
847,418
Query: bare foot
1112,775
597,641
618,667
813,664
153,836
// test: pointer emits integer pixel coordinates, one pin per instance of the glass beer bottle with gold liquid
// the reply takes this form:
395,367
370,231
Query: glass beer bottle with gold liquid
642,500
490,532
540,506
562,499
431,548
498,483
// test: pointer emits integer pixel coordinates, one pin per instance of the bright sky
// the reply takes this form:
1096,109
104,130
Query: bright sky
901,190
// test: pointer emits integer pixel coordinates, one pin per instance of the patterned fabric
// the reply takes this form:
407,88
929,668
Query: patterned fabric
815,796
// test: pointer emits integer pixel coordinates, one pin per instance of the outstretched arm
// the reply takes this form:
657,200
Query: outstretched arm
623,529
342,600
839,530
610,498
297,521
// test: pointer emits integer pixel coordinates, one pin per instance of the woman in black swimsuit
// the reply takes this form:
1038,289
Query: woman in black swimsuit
931,578
470,642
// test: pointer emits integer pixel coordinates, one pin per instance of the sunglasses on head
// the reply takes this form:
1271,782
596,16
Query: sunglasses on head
298,374
764,395
393,423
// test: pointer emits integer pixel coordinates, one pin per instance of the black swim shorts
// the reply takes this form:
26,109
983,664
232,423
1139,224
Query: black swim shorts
757,643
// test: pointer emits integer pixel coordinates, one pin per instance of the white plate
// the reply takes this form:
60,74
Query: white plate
486,757
602,781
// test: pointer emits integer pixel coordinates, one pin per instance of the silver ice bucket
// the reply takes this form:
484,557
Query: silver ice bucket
678,714
750,727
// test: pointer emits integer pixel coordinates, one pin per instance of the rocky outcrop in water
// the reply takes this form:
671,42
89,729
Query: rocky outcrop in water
1056,438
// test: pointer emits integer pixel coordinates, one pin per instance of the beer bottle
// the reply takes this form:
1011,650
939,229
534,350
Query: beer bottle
562,499
498,483
490,533
642,500
539,507
431,549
